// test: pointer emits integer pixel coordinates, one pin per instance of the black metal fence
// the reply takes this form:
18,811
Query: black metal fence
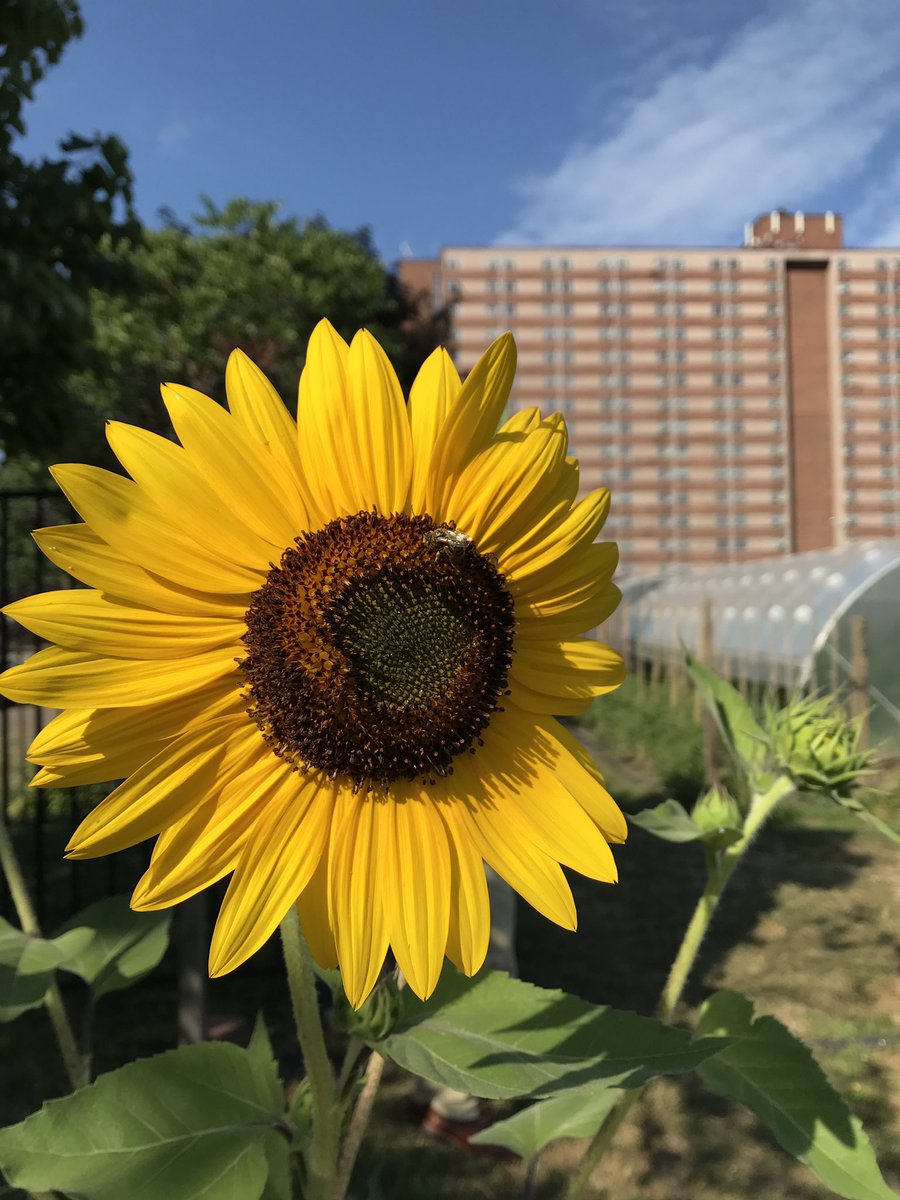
40,819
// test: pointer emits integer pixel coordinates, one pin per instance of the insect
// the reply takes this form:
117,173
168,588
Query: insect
452,542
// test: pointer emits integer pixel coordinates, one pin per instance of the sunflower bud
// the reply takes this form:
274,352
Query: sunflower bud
817,746
718,815
376,1018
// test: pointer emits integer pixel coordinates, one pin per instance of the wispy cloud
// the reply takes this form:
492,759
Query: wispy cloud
789,107
175,137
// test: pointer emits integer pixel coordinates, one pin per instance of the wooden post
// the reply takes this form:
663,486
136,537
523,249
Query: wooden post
193,938
676,672
656,666
637,650
832,647
706,653
859,673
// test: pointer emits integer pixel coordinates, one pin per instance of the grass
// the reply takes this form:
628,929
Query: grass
652,740
809,929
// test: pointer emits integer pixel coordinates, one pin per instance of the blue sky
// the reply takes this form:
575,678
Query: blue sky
481,121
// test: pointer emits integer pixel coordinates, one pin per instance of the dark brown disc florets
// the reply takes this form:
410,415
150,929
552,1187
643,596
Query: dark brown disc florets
378,649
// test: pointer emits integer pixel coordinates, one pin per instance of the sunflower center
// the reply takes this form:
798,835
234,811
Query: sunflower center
378,649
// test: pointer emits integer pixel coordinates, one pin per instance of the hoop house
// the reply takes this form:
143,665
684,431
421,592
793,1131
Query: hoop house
785,621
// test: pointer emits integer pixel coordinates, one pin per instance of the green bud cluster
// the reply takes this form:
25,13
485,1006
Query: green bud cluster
814,743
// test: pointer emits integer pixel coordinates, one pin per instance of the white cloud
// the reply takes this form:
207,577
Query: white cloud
172,138
792,105
876,219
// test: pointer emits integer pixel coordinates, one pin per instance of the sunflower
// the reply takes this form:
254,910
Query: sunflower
326,657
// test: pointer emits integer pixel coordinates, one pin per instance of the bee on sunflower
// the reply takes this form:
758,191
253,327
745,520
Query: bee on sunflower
326,656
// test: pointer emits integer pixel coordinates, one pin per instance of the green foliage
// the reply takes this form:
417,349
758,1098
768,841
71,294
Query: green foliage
669,821
239,276
742,734
499,1037
716,819
638,720
107,945
277,1150
196,1122
116,946
58,220
775,1075
577,1113
27,964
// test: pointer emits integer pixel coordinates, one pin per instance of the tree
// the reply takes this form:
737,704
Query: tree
237,276
58,219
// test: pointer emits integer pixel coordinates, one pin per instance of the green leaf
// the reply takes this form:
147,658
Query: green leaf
278,1155
864,814
192,1124
776,1076
741,732
120,947
26,967
499,1037
259,1048
577,1113
669,821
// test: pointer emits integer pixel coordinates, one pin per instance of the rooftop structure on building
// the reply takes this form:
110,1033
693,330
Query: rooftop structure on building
738,402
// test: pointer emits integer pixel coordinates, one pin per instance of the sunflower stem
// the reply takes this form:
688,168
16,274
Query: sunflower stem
321,1158
73,1061
359,1122
720,868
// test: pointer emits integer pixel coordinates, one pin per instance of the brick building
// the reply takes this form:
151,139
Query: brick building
738,402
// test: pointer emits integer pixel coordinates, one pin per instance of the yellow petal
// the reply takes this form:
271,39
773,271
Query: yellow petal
379,441
313,909
574,579
524,787
556,508
499,491
321,425
539,703
530,872
206,843
575,669
88,620
241,471
470,905
78,733
165,473
522,421
417,886
472,420
57,678
357,852
277,863
84,746
580,617
577,529
128,521
578,772
183,776
77,550
433,393
258,408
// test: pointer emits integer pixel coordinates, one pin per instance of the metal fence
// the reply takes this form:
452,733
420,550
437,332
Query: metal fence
40,819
